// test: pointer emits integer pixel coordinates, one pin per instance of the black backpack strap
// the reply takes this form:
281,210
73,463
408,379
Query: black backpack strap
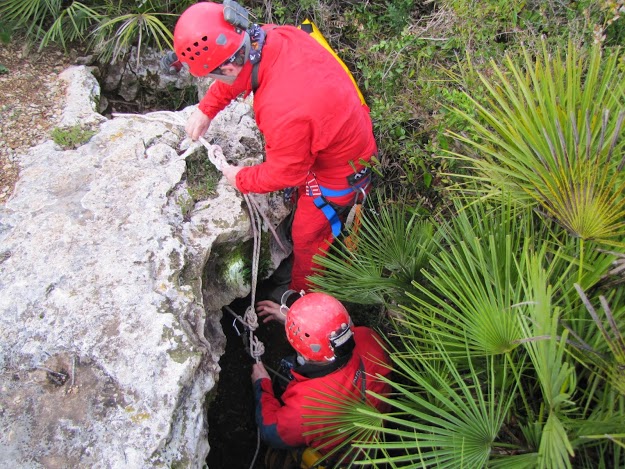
255,76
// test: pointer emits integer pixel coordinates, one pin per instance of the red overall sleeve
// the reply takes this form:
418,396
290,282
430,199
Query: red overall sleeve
279,425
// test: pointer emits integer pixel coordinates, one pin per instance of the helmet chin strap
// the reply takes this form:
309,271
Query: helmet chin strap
247,44
229,80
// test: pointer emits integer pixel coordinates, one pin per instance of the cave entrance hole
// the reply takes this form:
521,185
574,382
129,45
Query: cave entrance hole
232,433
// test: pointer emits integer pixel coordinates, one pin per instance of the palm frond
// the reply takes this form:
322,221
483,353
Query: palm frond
555,375
612,337
472,290
393,245
73,23
452,423
118,34
340,421
551,134
31,14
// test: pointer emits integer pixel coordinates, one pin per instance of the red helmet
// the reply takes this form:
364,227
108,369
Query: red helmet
204,40
316,324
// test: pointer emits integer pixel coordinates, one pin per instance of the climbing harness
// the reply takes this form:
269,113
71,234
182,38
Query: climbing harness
358,184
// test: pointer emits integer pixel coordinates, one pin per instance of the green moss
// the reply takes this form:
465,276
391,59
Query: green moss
72,137
202,176
183,351
181,463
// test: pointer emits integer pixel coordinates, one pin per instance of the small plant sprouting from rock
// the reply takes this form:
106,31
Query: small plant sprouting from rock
71,138
186,206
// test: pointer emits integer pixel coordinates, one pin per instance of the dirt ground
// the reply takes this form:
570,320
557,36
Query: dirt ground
30,99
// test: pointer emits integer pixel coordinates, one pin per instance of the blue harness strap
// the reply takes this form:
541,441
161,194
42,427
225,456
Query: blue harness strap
328,210
313,189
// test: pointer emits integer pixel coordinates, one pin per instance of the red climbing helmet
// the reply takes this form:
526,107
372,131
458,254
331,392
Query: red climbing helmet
316,324
204,40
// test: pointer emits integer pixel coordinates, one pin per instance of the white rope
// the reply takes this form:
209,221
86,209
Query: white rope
257,348
215,156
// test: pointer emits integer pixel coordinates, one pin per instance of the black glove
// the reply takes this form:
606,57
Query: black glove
170,63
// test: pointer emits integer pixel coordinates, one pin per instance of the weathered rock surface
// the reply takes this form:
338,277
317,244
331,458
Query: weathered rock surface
110,294
128,76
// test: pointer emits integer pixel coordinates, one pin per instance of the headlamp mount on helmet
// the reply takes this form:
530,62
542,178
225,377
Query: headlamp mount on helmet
288,298
341,336
236,15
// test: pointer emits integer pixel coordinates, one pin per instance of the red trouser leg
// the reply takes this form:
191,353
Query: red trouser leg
312,235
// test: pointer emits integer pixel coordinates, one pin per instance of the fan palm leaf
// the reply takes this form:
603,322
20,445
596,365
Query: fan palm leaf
551,134
344,420
471,291
30,13
452,422
116,35
71,24
392,246
612,362
547,349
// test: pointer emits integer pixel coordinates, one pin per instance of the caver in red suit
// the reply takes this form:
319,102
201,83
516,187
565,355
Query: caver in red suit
334,359
313,122
282,425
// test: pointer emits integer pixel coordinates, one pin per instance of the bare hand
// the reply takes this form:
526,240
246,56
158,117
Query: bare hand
270,311
197,124
259,372
231,174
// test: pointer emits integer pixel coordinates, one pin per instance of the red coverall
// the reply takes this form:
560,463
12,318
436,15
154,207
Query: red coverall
312,119
283,425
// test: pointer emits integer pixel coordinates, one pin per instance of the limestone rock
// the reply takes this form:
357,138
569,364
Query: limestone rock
110,294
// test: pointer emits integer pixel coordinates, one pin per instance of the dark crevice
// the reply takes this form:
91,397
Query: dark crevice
232,433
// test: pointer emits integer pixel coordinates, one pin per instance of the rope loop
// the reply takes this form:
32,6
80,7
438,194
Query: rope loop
251,318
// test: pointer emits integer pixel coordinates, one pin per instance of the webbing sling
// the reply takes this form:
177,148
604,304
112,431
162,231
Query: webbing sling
255,76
